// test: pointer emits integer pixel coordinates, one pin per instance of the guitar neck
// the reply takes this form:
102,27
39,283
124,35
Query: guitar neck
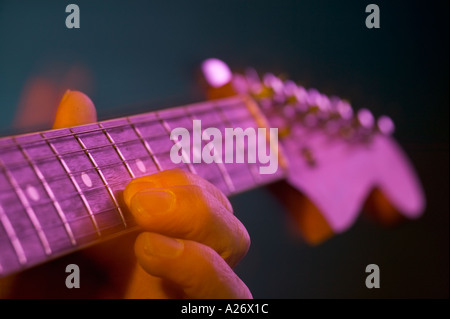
61,190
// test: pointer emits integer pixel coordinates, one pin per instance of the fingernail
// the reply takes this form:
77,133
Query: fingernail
65,96
162,246
152,202
135,187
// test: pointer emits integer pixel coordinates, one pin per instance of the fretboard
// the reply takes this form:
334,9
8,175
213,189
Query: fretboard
61,190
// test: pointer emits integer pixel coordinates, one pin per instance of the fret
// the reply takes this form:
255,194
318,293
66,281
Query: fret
225,183
119,134
247,118
42,210
9,254
8,230
213,173
75,210
23,176
238,115
141,138
106,157
29,211
166,163
137,157
65,185
209,118
36,150
151,128
16,221
237,111
28,245
176,122
246,148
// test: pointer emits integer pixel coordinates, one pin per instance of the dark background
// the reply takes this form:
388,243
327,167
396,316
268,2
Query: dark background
141,51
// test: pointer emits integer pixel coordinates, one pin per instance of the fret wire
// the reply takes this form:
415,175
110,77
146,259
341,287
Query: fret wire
72,134
50,194
111,140
177,142
255,174
71,195
75,152
222,169
86,233
59,177
77,188
146,146
71,174
100,173
11,234
29,211
215,178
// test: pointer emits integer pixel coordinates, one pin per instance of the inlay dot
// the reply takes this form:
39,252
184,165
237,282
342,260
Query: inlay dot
86,179
141,166
32,193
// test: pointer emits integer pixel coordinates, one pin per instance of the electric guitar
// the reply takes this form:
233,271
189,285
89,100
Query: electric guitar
61,190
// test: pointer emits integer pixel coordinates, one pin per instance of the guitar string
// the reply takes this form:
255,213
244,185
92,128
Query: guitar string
96,168
112,144
102,229
151,139
120,183
57,177
233,170
238,104
31,231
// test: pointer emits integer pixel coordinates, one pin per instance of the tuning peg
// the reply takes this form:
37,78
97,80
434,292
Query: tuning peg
289,88
240,84
312,96
274,83
253,80
302,97
344,109
365,119
385,125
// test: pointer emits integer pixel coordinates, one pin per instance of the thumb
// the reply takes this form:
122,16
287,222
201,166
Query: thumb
75,108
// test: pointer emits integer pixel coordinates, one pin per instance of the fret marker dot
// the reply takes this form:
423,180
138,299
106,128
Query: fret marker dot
33,193
140,165
86,179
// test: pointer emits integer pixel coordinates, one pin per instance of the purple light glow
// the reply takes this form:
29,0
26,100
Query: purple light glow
386,125
216,72
344,109
365,117
273,82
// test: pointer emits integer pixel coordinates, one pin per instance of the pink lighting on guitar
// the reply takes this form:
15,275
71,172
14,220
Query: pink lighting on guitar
217,73
365,118
386,125
344,109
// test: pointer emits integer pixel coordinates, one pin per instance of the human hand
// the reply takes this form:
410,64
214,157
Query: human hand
191,238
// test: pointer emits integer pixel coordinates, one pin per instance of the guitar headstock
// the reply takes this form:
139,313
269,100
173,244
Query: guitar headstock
339,159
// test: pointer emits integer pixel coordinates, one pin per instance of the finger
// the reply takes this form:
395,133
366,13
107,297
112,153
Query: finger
173,177
195,268
191,212
75,108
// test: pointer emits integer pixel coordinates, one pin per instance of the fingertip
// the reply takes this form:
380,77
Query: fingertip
156,245
195,268
134,187
150,205
75,108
